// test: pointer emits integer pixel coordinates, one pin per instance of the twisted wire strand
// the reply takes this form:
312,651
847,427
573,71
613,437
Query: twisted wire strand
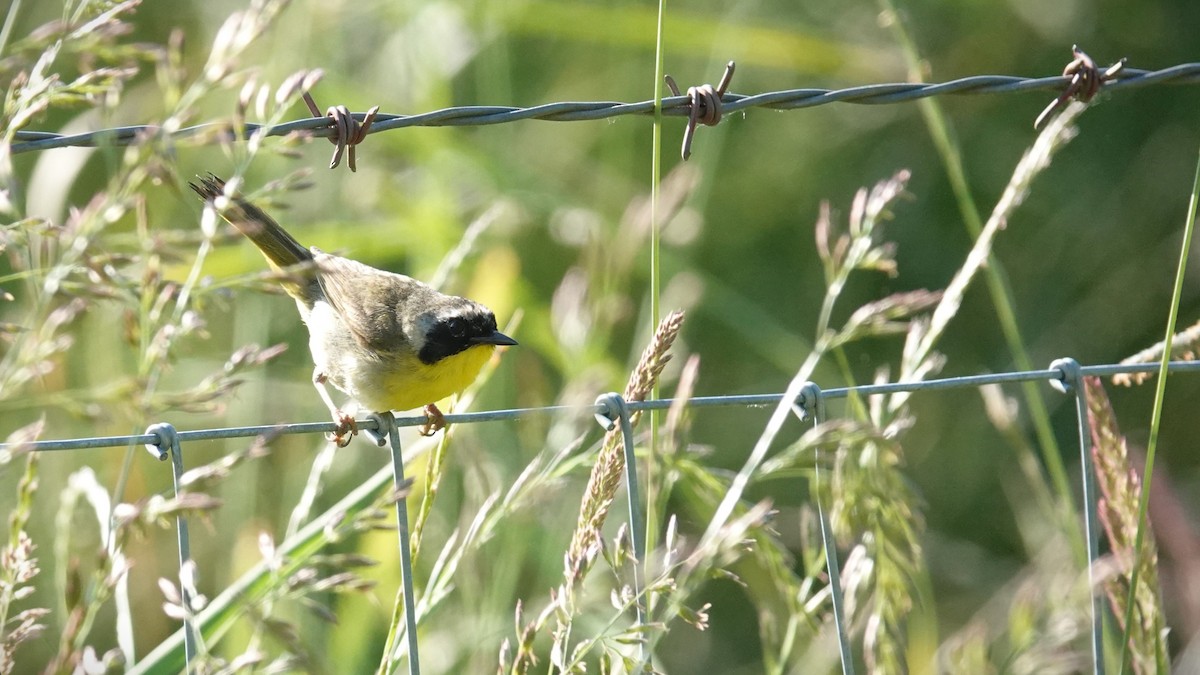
574,111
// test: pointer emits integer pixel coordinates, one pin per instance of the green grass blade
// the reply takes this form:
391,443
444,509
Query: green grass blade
1160,389
995,277
226,608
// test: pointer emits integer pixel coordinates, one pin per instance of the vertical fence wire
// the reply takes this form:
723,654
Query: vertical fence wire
168,445
164,441
810,405
387,431
615,411
1071,383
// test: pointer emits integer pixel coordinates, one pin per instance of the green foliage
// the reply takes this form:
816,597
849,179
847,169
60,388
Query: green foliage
121,305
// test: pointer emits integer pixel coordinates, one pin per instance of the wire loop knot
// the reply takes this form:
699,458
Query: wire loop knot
348,131
809,403
612,409
384,423
167,438
1085,80
704,105
1070,372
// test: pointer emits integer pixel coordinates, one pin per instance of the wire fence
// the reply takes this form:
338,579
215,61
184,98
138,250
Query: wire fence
612,412
371,424
567,111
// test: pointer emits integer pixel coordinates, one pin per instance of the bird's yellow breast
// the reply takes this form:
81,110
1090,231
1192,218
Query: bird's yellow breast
414,384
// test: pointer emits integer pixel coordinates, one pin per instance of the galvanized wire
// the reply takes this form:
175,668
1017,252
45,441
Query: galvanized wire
810,406
1064,374
871,94
743,401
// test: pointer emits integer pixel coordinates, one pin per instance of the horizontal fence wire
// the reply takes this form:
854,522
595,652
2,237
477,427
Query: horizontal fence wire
748,400
790,99
610,409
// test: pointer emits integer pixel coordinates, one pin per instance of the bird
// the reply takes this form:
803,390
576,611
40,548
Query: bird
386,340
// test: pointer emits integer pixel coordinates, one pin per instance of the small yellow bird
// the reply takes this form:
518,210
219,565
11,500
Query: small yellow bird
387,340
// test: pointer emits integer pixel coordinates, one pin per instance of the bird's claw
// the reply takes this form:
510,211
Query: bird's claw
435,421
345,431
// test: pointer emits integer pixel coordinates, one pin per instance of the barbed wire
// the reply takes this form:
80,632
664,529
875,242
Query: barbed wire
567,111
705,105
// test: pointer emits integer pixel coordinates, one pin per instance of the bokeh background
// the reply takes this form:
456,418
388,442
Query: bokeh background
1090,257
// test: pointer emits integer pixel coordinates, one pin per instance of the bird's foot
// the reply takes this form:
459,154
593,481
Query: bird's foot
435,421
345,431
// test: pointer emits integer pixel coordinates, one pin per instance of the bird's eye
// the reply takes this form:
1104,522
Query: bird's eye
458,327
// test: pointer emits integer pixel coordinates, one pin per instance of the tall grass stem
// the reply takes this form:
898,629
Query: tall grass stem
994,274
1160,390
651,529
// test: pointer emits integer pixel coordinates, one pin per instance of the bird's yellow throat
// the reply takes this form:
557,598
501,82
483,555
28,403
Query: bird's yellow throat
434,382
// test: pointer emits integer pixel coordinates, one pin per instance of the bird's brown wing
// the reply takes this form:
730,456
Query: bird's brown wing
368,300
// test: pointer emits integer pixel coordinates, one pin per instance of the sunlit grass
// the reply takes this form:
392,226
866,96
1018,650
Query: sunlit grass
130,309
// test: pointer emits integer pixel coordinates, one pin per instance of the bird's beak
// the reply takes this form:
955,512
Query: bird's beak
496,338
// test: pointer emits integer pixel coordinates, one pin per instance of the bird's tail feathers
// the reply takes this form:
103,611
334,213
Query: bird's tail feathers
280,248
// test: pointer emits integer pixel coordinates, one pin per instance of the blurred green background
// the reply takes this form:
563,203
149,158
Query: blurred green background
1090,255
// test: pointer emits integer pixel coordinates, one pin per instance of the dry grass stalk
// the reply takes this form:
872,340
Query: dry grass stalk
1036,160
19,569
1120,490
586,543
610,465
1183,347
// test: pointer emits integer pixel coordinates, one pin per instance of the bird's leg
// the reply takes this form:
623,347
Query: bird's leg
346,428
436,421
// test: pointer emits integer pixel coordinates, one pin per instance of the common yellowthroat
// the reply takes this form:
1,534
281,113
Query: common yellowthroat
387,340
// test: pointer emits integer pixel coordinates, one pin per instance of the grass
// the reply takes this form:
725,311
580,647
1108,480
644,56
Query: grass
522,562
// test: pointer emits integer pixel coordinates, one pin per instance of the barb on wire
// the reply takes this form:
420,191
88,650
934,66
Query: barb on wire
1084,80
679,106
348,131
704,106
